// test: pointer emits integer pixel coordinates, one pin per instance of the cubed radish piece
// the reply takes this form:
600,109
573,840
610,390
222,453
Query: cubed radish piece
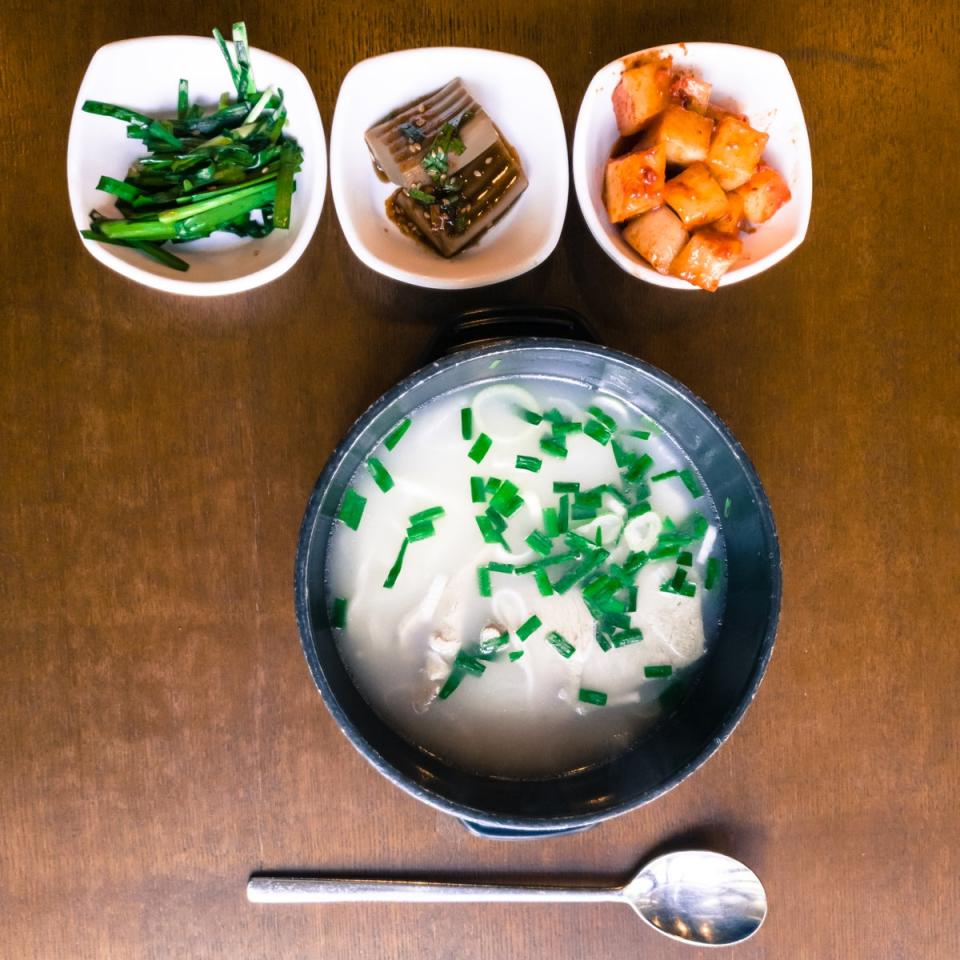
695,196
690,92
706,258
735,152
763,194
685,134
730,222
641,94
658,236
634,183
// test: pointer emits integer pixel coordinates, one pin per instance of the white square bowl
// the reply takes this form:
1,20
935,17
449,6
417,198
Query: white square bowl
753,82
142,74
519,98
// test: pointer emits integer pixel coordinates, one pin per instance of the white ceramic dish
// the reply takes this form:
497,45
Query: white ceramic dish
758,84
519,98
142,74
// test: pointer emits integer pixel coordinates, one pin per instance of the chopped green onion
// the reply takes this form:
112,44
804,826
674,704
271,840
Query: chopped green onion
688,589
488,647
547,562
564,516
539,542
480,448
338,618
657,670
551,522
685,559
493,484
466,424
604,418
381,476
420,531
483,582
504,496
530,416
631,599
560,644
563,487
431,513
597,431
638,509
470,664
528,627
624,638
567,426
590,498
544,586
713,571
582,511
516,655
396,434
677,580
496,567
553,447
620,455
642,434
580,570
496,521
602,642
351,508
727,504
638,468
666,475
690,482
453,681
596,697
478,493
397,566
533,464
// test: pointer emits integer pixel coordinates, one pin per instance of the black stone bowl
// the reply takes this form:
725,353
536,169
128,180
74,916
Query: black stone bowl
685,737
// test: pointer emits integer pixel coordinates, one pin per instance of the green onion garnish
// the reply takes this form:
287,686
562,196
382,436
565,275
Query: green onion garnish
396,434
530,416
638,509
483,582
480,448
666,475
488,647
554,447
690,482
564,515
567,426
658,670
420,531
431,513
540,542
604,418
561,645
544,586
685,559
727,504
621,456
351,508
533,464
642,434
631,599
516,655
470,664
397,566
713,571
381,476
338,618
528,627
551,522
478,493
596,697
503,498
466,424
582,511
597,431
493,484
453,681
624,638
563,487
496,567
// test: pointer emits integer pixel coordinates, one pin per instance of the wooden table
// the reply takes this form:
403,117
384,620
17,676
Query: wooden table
160,736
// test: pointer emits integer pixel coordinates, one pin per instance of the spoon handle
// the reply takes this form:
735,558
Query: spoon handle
268,889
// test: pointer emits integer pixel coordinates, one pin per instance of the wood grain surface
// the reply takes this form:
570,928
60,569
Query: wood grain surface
160,737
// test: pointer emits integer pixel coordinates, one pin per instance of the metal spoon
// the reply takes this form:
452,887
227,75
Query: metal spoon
695,896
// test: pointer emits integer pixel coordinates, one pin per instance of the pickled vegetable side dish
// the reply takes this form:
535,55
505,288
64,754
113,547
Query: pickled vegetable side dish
687,176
